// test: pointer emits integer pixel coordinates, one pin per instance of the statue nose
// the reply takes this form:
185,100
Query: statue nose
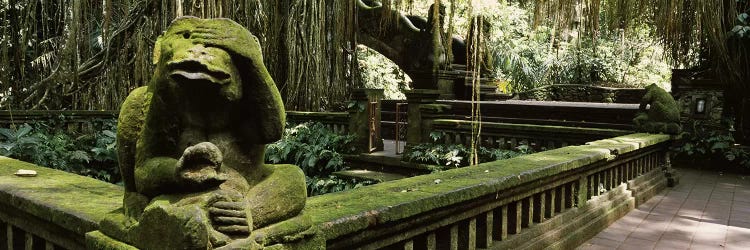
197,50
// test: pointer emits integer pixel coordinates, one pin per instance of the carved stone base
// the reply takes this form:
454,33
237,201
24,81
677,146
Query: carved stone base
119,232
98,240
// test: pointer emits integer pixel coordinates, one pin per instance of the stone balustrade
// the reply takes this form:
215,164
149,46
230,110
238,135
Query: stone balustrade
509,135
557,198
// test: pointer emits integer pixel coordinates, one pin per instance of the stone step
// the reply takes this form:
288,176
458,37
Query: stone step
370,175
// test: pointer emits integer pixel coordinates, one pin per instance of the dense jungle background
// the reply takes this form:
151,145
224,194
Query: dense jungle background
87,55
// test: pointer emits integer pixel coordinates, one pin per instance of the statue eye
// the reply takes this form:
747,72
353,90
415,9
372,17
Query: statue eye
185,34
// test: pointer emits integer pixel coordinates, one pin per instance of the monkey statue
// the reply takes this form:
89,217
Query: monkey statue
658,113
191,147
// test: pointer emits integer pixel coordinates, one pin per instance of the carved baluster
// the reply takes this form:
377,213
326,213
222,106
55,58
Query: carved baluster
29,241
485,228
559,198
527,211
500,223
447,237
549,206
539,207
589,187
425,241
467,234
409,245
48,245
514,218
570,196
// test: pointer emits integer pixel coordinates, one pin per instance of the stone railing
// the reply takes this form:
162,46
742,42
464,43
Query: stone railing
53,210
71,120
582,93
557,198
508,135
336,121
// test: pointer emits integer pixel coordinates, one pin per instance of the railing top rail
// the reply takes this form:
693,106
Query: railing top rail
347,212
74,202
552,104
58,112
463,124
307,113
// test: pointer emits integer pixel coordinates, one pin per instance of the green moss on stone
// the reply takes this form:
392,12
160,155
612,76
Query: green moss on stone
74,202
97,240
350,211
663,114
461,124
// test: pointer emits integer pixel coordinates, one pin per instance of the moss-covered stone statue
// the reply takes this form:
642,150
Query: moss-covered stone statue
191,148
658,113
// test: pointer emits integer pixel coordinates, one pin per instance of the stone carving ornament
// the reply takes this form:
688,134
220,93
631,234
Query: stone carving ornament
191,147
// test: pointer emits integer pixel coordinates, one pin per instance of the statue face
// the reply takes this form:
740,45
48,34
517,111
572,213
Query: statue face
196,68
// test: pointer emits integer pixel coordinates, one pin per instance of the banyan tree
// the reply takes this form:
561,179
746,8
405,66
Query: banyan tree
79,54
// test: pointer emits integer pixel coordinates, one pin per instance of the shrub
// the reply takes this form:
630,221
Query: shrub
317,150
702,142
46,144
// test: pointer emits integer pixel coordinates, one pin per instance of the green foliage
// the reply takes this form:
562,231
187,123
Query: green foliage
317,150
378,72
741,28
47,144
323,185
311,146
457,155
533,57
707,143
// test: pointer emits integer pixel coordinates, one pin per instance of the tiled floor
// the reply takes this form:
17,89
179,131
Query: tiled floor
707,210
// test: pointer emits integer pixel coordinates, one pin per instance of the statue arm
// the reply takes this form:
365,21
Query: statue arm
280,196
645,101
156,176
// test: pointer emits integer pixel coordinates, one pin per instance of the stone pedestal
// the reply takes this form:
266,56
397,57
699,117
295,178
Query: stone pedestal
365,113
419,99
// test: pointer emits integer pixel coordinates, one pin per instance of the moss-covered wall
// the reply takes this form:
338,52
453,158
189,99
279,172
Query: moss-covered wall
77,203
55,201
342,213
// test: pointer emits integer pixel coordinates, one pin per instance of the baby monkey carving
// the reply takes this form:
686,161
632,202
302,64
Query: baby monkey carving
191,146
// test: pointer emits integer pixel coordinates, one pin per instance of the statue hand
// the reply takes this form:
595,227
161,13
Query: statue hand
199,166
227,35
231,218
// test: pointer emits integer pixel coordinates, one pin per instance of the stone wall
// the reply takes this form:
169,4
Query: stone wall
691,90
714,107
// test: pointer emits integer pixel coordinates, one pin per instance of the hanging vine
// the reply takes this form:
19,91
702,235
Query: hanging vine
71,54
